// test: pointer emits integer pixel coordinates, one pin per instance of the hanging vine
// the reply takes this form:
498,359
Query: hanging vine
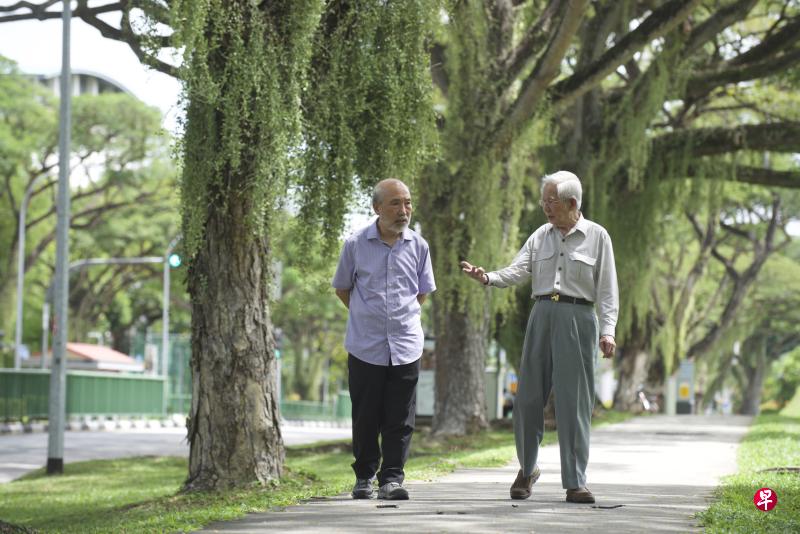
300,100
367,112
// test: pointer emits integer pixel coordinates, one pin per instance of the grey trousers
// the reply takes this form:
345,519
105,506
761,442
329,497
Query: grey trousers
561,344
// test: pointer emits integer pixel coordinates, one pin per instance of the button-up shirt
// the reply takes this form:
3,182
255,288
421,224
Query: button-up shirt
579,264
383,322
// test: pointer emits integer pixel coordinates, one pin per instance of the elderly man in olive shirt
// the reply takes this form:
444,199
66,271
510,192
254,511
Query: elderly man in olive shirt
570,263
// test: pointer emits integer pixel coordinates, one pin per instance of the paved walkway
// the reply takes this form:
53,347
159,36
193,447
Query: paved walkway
649,474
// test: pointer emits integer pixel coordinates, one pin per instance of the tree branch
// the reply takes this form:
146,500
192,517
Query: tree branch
776,137
704,82
720,20
755,175
659,23
546,69
741,281
90,15
534,39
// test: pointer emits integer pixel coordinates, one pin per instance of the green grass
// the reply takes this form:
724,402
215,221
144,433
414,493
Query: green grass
141,494
772,441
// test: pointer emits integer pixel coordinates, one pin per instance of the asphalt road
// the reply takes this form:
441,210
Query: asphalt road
21,453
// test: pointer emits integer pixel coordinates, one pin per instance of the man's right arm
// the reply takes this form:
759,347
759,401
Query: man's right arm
344,296
518,272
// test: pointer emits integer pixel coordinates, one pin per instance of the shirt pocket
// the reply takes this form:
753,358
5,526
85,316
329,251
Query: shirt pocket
582,267
543,264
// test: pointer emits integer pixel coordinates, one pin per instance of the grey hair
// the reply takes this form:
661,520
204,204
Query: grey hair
377,191
567,185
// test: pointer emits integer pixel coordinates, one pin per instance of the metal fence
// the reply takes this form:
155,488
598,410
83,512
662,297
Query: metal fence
24,394
148,349
340,408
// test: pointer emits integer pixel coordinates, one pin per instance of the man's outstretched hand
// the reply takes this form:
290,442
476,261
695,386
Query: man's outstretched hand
476,273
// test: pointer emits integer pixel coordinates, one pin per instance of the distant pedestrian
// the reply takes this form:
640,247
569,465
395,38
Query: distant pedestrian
570,263
383,277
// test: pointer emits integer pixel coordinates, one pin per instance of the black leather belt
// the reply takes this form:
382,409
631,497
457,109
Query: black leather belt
555,297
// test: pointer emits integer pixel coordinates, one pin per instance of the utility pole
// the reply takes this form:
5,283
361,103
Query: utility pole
58,374
168,264
23,210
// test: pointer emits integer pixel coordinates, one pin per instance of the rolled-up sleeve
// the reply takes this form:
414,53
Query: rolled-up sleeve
518,271
607,288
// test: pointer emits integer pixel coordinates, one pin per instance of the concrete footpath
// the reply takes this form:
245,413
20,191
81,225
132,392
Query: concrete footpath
648,474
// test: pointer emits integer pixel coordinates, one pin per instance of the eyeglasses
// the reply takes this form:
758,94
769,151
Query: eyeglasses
549,202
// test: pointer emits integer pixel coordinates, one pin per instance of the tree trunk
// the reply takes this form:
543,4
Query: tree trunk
460,368
751,403
632,372
233,427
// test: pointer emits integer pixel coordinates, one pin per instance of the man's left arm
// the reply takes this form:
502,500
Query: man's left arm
421,298
607,297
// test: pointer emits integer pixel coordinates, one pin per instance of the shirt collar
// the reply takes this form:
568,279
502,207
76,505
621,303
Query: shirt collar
581,226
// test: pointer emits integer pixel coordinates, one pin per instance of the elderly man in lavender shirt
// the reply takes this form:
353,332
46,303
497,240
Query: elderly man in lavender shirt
383,277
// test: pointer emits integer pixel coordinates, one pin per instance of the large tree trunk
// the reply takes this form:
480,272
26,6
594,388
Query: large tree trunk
751,403
631,366
460,368
233,428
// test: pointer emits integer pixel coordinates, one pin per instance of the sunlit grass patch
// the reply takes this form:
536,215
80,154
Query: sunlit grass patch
772,442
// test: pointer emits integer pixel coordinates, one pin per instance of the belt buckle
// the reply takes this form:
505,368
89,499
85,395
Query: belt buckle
554,297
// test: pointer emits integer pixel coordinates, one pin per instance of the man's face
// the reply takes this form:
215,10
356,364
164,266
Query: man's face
394,209
556,210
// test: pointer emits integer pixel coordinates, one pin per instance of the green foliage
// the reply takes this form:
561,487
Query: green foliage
122,203
783,383
355,73
244,68
367,106
311,318
27,123
472,196
625,190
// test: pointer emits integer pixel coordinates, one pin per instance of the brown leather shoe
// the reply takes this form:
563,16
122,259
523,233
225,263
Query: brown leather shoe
521,488
580,495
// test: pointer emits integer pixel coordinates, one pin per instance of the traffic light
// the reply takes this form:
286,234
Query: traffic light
174,260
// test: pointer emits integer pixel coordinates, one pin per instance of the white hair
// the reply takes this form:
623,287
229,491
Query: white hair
377,191
567,185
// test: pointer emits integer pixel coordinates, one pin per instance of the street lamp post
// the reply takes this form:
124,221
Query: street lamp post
165,321
58,375
23,209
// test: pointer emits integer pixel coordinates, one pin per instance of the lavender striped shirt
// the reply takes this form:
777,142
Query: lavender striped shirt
384,318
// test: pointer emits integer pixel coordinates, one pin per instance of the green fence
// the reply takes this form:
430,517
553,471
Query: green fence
147,348
340,408
24,394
